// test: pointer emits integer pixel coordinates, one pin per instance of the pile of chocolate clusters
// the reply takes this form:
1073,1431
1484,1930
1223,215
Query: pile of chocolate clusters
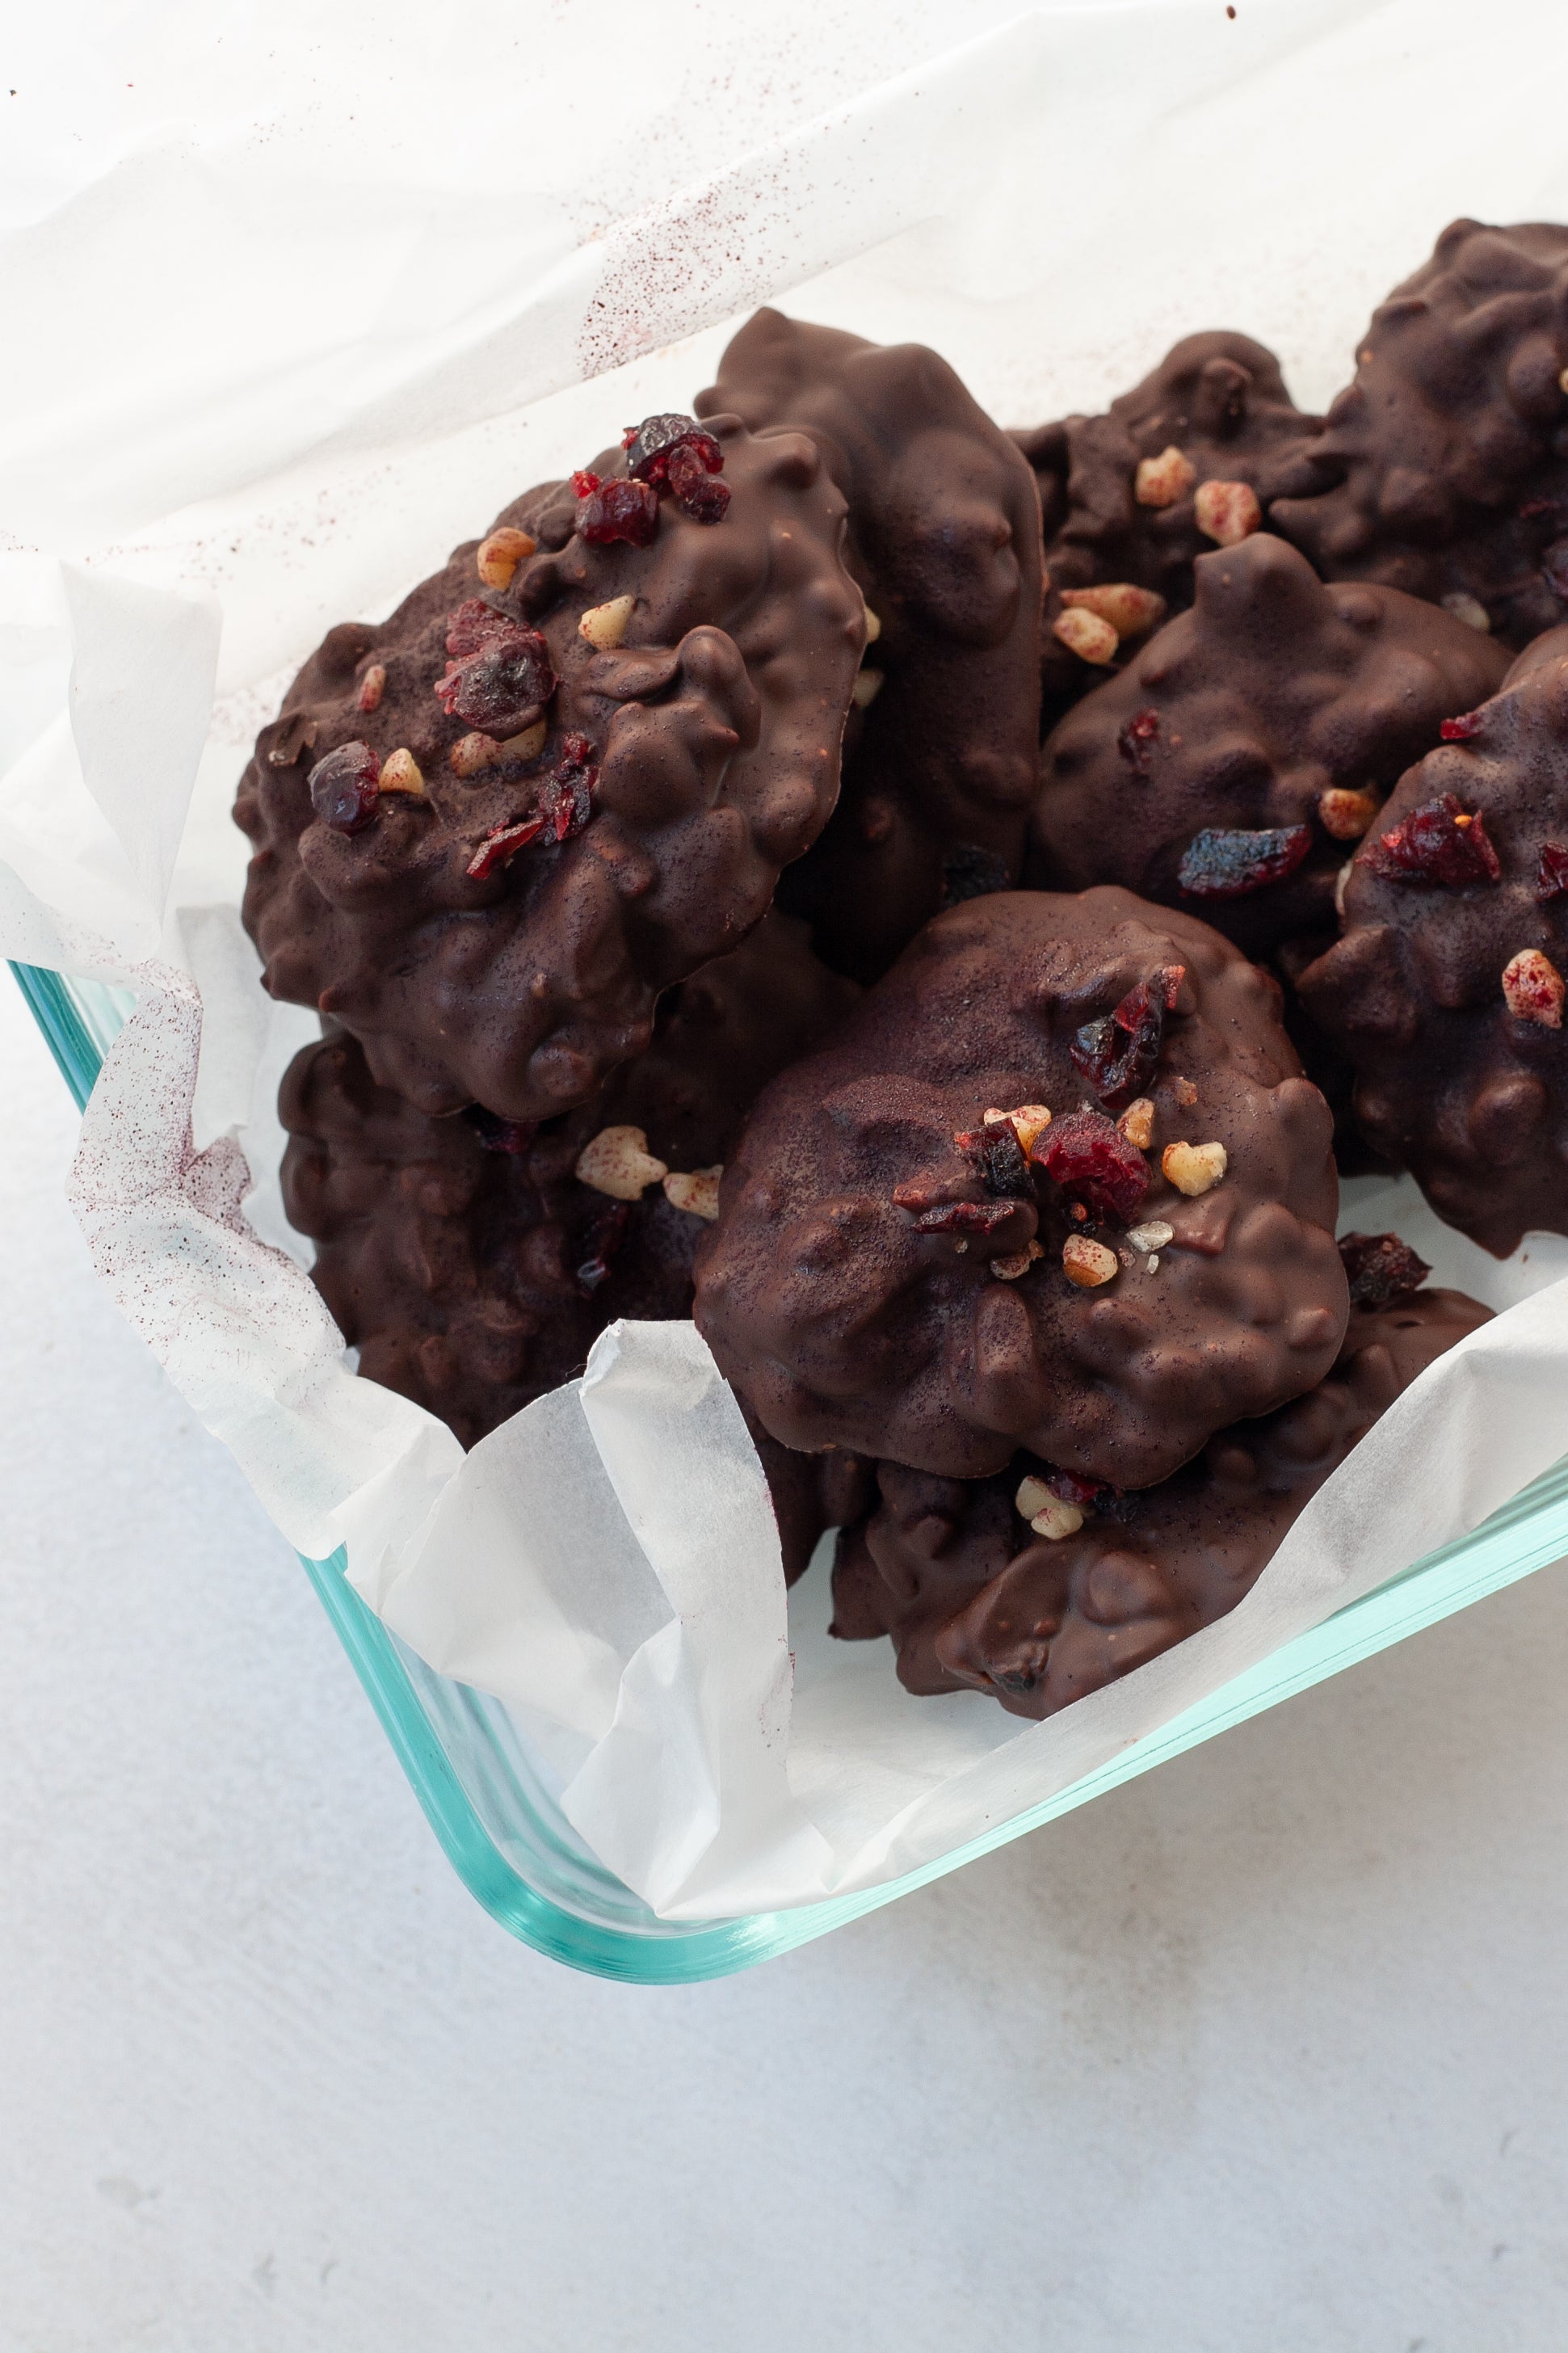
941,907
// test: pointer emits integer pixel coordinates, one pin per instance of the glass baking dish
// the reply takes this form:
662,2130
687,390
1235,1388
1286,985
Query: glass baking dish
491,1808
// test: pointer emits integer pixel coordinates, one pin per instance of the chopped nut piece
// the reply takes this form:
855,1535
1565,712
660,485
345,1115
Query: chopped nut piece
873,626
470,754
1129,610
1033,1495
1468,609
400,773
1086,1263
1562,381
1534,989
1341,878
696,1191
1184,1091
500,555
620,1163
1192,1168
1160,481
604,626
1151,1264
372,687
529,745
1008,1269
867,686
1228,513
1029,1120
1136,1123
1346,815
1086,635
1056,1519
1152,1236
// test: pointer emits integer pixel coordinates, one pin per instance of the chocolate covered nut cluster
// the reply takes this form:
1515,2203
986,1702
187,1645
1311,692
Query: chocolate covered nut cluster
1447,989
1057,1183
1233,765
1443,469
1036,1586
565,773
944,540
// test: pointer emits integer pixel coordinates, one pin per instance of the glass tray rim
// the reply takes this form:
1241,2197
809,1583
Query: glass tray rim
80,1018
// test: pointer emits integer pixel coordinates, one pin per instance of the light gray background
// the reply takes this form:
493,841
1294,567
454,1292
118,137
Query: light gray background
1264,2053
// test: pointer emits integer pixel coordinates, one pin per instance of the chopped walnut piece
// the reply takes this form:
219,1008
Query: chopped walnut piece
618,1162
873,626
500,555
1087,1263
1226,512
1192,1168
1008,1269
1129,610
696,1190
1346,815
1154,1236
1086,635
1533,989
604,626
1184,1091
1136,1123
867,686
400,773
1468,609
372,687
1160,481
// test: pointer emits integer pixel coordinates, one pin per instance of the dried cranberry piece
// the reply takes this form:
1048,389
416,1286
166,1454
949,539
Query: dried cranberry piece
501,688
695,491
1092,1162
603,1240
475,624
1225,861
1460,730
566,795
1441,842
651,446
611,511
498,849
498,1135
345,790
1382,1269
1552,873
1002,1165
1137,739
1555,568
1086,1492
957,1216
968,872
1117,1054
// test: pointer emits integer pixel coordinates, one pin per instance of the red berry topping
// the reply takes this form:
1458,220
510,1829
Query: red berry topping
1441,842
968,1217
697,491
996,1149
345,788
1092,1162
1118,1054
501,687
566,796
1085,1493
651,445
1225,861
500,847
604,1242
1551,874
1460,730
498,1135
611,511
474,625
1137,739
1382,1269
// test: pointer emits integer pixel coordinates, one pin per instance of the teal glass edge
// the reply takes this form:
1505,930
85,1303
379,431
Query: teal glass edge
495,1818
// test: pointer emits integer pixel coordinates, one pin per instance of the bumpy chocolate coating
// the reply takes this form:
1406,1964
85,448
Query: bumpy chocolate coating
1443,469
715,727
1221,400
473,1278
1451,1084
845,1321
973,1599
944,539
1242,713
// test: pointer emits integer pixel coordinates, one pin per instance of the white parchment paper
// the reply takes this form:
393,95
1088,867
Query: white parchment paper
307,311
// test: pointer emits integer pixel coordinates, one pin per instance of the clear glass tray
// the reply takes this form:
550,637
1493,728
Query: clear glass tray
515,1852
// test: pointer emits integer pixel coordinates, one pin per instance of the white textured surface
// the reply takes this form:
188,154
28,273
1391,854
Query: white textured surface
1267,2051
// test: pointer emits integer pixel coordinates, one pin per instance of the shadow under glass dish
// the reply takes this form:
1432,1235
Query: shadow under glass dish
490,1802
